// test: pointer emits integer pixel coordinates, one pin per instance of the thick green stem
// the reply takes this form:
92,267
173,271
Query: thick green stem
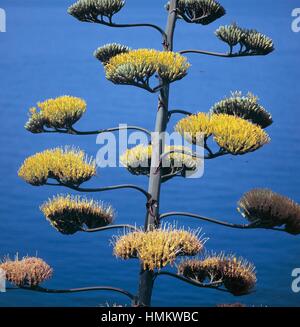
152,221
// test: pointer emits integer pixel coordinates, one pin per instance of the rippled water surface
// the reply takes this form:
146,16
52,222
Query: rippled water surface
46,53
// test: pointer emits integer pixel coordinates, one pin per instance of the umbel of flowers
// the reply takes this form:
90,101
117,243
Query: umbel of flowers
137,160
67,166
233,135
106,52
246,107
199,11
60,113
158,248
266,208
91,10
237,275
136,67
26,272
70,214
250,41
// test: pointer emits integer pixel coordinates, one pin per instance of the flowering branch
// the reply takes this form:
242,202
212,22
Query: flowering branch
211,155
99,229
192,20
73,131
102,189
178,111
144,84
215,221
194,155
111,24
223,55
214,285
173,174
77,290
103,12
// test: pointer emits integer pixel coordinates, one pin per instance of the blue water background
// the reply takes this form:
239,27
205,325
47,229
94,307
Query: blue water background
46,53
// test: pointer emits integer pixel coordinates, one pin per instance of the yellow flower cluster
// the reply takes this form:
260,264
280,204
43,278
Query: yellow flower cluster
193,127
61,112
158,248
233,134
236,274
68,166
69,214
236,135
27,272
137,66
138,160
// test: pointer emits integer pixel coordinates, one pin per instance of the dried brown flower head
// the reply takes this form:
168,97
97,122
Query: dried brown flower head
266,209
236,274
201,270
27,272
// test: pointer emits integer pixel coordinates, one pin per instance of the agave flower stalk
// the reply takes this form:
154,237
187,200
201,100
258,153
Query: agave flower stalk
235,125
